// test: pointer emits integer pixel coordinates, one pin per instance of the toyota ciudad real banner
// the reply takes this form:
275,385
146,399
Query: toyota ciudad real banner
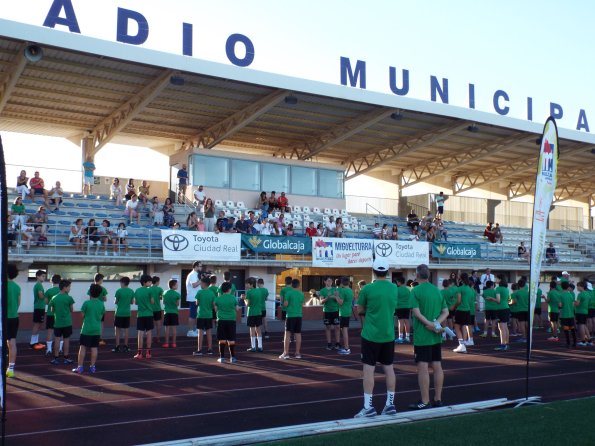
192,245
402,253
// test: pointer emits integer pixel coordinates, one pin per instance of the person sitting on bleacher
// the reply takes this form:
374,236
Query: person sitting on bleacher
155,212
330,228
289,231
130,189
441,231
522,252
498,237
412,221
132,210
230,227
276,229
116,191
426,222
121,239
37,187
263,227
242,226
27,233
199,198
489,232
40,223
17,210
263,202
339,227
221,222
384,232
168,213
550,254
22,182
311,230
143,193
107,235
56,195
192,221
395,233
273,205
431,234
77,236
377,231
283,203
93,237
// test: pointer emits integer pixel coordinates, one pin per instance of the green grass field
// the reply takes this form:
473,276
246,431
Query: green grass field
561,422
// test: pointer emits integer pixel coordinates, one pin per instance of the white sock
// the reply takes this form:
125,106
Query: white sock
11,366
390,398
49,344
367,400
461,342
406,335
252,341
61,345
401,336
34,339
259,341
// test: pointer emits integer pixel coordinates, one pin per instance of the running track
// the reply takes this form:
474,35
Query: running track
176,396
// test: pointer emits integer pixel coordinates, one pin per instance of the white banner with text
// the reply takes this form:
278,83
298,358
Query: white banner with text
402,253
191,245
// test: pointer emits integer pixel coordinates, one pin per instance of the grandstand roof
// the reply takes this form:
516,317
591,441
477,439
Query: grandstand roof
69,94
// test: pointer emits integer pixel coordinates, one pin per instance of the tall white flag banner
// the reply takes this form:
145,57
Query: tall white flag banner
402,253
208,246
545,185
342,252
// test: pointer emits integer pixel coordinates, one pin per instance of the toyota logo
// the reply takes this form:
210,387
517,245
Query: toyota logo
383,249
175,242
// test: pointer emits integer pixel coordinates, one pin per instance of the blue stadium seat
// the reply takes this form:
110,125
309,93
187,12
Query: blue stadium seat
82,205
68,205
87,214
74,214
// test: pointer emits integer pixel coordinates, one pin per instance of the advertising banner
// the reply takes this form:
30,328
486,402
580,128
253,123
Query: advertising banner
342,252
277,244
453,250
208,246
402,253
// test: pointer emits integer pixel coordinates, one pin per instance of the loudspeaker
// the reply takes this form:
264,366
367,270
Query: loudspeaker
33,53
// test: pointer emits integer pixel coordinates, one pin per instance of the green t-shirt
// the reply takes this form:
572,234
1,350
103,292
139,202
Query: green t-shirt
93,310
102,296
567,301
583,299
215,290
171,300
450,296
18,209
538,299
522,299
331,305
14,293
346,308
205,299
157,295
282,294
513,302
60,305
124,298
295,302
553,297
254,302
233,290
430,302
265,297
592,300
142,297
467,299
380,300
226,307
504,293
38,302
490,304
404,297
51,292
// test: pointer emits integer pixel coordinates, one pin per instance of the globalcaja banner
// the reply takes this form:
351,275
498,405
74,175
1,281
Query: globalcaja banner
402,253
277,244
208,246
452,250
342,252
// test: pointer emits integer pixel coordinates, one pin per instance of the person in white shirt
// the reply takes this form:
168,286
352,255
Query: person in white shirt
264,227
330,228
199,199
192,287
440,199
131,210
116,192
56,194
485,277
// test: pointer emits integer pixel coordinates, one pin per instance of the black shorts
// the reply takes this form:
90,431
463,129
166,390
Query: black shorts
157,315
283,315
554,317
503,315
49,321
567,322
382,352
226,330
591,312
462,318
214,315
428,353
122,321
403,313
344,321
89,341
63,332
264,313
293,324
331,318
103,318
522,316
580,318
204,323
171,320
144,323
471,319
490,315
451,314
12,328
441,209
254,321
38,316
514,314
538,310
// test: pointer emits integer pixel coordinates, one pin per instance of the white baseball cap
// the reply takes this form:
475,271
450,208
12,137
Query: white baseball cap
565,273
380,264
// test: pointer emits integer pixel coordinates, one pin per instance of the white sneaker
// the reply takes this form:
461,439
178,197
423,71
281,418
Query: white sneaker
192,334
460,349
469,343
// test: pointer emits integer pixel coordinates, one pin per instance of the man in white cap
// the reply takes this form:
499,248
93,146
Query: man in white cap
376,306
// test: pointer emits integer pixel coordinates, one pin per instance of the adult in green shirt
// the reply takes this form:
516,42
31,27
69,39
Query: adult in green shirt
157,296
171,302
144,316
123,300
465,298
39,303
502,312
12,314
282,293
553,303
265,297
581,312
253,300
429,311
520,299
376,303
293,303
329,298
205,299
226,307
490,308
345,312
93,311
49,315
62,306
567,313
403,311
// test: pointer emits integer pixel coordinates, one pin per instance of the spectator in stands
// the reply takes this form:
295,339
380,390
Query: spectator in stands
93,237
281,220
273,202
37,187
107,236
283,203
498,237
319,230
395,233
252,220
330,227
199,199
192,221
241,225
17,211
88,168
522,251
230,225
155,212
56,194
311,230
77,236
130,189
182,183
221,222
426,222
168,211
143,193
339,228
132,210
550,254
441,231
263,227
431,234
176,226
116,191
22,181
412,221
289,231
384,233
40,223
263,202
121,239
377,231
27,233
276,230
489,232
209,215
440,199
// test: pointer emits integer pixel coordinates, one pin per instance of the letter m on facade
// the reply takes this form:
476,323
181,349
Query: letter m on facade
351,75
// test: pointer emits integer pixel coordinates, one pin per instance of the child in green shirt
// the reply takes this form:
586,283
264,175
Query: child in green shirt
157,295
123,301
49,316
567,313
14,302
226,307
61,306
553,301
93,311
171,301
